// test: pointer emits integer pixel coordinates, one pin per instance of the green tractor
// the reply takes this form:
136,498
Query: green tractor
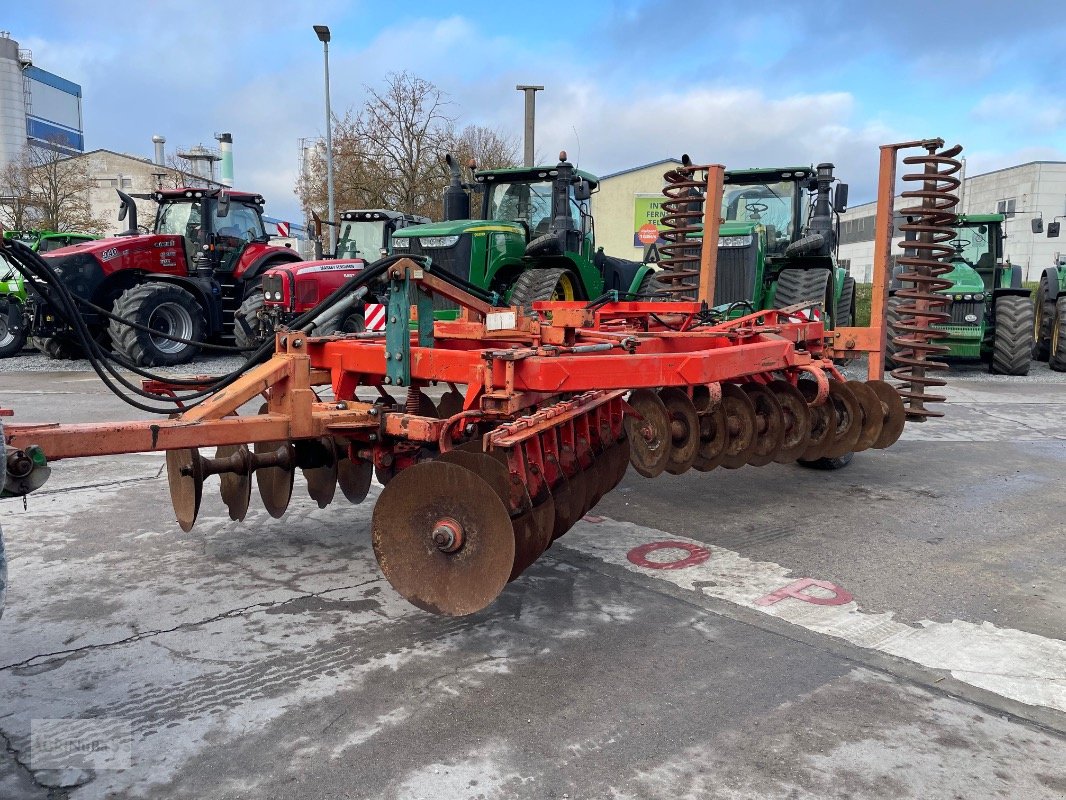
776,248
535,239
13,327
991,314
1049,307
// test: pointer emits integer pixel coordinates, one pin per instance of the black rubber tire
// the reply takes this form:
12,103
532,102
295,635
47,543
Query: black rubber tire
353,323
845,311
653,289
1057,356
892,320
828,463
544,246
1012,341
137,304
11,343
250,327
59,348
536,284
1042,335
801,286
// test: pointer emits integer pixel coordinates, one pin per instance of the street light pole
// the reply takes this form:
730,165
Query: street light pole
531,115
322,31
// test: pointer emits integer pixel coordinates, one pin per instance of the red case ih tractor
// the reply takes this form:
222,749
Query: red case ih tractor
186,279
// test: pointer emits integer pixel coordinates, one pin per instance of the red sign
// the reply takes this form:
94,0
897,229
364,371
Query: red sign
648,234
283,229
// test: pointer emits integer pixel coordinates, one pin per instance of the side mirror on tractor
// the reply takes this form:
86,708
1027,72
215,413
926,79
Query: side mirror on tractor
223,205
1037,224
840,198
582,190
1053,230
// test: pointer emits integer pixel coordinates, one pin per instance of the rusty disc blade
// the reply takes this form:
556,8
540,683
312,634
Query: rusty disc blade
354,478
450,404
533,530
849,420
873,417
684,429
770,424
236,489
569,500
425,499
275,483
186,485
895,413
621,464
322,481
823,424
740,426
649,434
714,436
493,472
797,418
425,406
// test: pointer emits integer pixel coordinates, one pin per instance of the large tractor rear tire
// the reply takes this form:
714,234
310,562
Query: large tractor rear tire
1043,320
845,316
892,320
802,286
544,284
59,348
1012,343
250,327
11,341
163,307
1057,350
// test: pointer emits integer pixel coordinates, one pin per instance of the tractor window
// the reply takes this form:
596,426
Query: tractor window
530,202
179,219
361,240
48,244
242,222
975,246
769,204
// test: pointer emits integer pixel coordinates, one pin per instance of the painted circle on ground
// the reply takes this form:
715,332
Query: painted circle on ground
648,233
696,555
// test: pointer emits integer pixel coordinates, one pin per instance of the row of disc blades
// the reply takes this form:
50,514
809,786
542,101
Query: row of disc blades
757,423
451,532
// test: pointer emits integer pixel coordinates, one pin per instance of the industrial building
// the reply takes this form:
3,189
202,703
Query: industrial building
1021,193
37,107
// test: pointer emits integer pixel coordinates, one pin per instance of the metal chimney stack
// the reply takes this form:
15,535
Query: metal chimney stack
159,141
225,146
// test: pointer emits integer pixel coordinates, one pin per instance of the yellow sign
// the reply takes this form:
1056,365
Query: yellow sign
647,210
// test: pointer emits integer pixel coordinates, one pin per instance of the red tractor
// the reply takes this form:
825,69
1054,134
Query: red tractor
186,279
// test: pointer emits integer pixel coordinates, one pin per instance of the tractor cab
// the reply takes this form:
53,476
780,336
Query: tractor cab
215,225
367,233
977,260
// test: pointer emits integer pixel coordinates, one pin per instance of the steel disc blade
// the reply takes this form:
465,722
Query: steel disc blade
275,483
823,423
322,481
797,418
186,485
770,424
236,490
354,478
873,417
418,502
425,407
450,404
569,500
532,534
714,436
684,430
895,413
493,472
849,420
649,435
740,423
621,463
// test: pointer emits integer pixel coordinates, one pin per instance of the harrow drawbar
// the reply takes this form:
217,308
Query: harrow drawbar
543,416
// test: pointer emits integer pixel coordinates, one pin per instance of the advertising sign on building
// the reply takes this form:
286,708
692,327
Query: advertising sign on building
647,219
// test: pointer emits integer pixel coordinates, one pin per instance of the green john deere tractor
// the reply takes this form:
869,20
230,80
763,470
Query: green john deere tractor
13,325
777,244
1049,307
535,239
991,314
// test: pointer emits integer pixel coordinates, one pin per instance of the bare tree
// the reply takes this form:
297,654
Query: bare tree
389,154
48,190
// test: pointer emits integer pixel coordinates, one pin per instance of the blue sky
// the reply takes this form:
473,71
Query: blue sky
627,82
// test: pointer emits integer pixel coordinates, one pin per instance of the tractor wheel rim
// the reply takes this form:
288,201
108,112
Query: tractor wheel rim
171,319
564,289
6,336
1055,325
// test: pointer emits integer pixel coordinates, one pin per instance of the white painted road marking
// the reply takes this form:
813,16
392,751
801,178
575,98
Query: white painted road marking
1014,664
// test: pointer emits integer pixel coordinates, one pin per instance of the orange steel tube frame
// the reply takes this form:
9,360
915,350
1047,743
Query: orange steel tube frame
712,220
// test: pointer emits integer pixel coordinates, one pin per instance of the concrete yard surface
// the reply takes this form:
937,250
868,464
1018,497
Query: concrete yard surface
894,629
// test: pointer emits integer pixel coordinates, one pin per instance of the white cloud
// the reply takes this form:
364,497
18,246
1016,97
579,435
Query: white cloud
1023,111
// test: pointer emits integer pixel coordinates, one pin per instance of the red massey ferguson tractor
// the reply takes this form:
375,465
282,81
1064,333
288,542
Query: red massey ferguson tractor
186,279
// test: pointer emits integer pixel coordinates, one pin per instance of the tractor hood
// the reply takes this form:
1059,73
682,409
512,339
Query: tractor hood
348,267
154,253
454,228
964,278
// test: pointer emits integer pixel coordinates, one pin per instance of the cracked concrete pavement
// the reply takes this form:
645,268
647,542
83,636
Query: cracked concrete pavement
270,658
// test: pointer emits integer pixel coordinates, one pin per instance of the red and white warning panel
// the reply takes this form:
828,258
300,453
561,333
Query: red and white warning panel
374,316
283,228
